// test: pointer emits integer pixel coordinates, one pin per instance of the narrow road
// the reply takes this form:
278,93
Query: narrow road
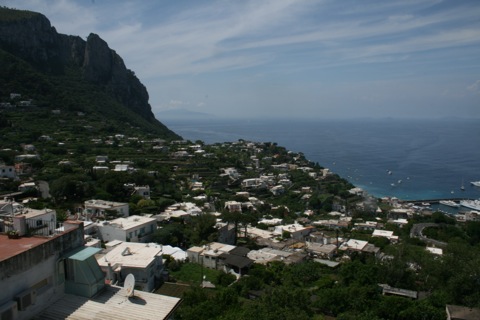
417,230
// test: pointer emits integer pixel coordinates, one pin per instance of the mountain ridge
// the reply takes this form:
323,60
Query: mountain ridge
29,37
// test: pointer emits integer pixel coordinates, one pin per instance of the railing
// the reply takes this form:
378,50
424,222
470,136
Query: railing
41,227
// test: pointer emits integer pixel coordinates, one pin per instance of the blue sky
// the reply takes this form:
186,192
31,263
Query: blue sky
290,58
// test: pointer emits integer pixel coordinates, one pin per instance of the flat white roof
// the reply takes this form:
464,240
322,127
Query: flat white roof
111,303
131,222
104,203
217,248
113,243
175,252
130,254
354,244
261,256
32,213
401,221
382,233
257,232
433,250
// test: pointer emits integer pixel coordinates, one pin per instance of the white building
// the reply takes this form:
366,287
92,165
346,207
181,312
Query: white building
220,256
253,183
121,167
180,210
33,272
296,231
143,191
99,208
7,172
40,222
231,172
101,159
353,245
385,234
433,250
144,261
132,228
277,190
27,186
233,206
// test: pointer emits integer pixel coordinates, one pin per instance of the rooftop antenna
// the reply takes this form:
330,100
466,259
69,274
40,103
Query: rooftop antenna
129,285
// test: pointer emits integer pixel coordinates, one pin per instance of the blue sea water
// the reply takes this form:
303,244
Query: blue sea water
428,159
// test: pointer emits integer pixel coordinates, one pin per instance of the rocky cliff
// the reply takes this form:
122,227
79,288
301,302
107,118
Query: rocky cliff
30,36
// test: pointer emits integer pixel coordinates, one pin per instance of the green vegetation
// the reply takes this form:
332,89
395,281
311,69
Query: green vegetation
309,290
7,14
70,121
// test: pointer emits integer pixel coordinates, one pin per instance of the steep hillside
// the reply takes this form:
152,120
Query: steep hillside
67,73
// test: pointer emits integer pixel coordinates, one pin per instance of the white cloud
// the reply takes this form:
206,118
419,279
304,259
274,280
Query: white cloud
249,52
474,87
228,35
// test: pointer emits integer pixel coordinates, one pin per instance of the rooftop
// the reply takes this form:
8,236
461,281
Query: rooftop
131,222
103,203
111,303
13,247
460,312
354,244
32,213
131,254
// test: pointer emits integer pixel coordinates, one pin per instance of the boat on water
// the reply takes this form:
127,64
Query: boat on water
475,183
449,203
471,204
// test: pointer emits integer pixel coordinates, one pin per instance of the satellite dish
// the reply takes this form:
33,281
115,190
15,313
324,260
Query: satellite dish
129,285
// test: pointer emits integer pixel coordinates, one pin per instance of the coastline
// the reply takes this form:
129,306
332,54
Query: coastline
363,151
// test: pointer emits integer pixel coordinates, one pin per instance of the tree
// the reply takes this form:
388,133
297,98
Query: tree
170,234
201,229
69,187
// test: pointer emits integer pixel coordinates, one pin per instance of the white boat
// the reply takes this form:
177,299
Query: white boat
449,203
475,183
471,204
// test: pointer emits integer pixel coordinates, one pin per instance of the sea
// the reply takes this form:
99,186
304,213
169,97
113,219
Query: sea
410,159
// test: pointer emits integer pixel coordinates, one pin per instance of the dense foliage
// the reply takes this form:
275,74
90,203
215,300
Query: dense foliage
69,122
310,290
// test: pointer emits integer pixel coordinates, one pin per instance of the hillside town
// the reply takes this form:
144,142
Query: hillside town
154,206
106,213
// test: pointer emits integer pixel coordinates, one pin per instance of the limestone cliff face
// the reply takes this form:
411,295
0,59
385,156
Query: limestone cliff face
31,37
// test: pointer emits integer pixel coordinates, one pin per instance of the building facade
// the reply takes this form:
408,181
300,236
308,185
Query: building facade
132,229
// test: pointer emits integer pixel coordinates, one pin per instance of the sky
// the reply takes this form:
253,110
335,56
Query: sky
290,58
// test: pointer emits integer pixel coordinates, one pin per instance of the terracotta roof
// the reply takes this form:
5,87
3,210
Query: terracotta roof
12,247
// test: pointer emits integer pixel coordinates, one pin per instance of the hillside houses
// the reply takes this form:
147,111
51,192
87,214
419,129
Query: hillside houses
290,211
221,256
101,208
145,262
132,229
